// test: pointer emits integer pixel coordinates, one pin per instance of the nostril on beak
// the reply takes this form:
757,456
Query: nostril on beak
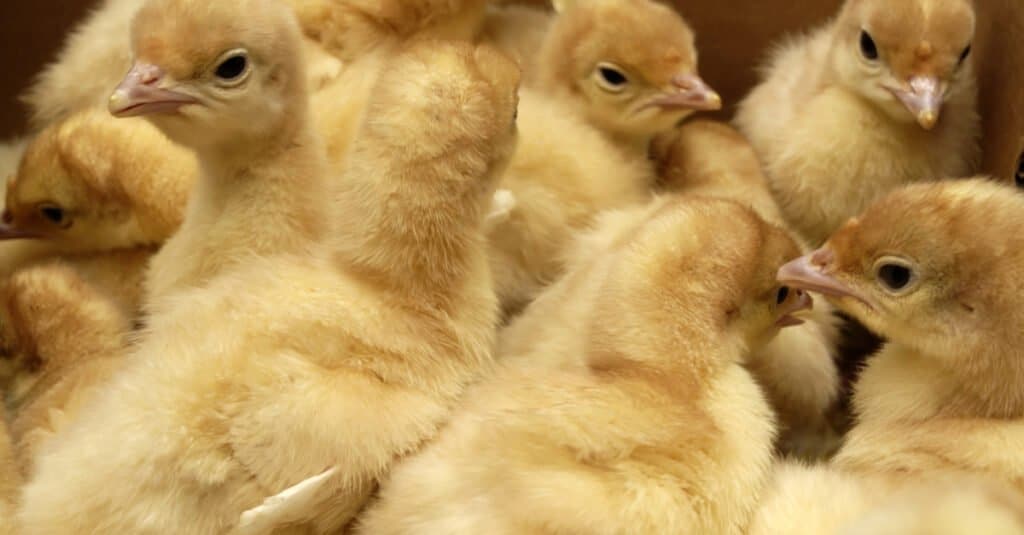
823,257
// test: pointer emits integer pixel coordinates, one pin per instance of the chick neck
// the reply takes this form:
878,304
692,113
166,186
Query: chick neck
274,185
904,383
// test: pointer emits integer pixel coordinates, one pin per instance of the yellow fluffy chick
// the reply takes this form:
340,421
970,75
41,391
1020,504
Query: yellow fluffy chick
242,109
797,369
59,339
883,96
628,66
349,358
933,269
628,410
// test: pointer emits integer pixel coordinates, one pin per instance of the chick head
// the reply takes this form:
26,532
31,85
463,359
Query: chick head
709,263
931,266
215,75
71,189
447,101
630,66
907,57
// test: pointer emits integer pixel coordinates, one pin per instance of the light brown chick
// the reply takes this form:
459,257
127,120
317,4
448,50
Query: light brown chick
350,357
628,66
628,410
92,183
101,193
243,109
59,339
797,369
884,95
935,270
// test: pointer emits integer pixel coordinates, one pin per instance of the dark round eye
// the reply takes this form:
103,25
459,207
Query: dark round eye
613,77
54,214
782,295
867,46
965,54
895,277
233,67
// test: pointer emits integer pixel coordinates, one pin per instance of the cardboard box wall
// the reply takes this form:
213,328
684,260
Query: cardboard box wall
733,37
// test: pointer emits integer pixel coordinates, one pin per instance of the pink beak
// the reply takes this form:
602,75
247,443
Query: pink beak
689,92
808,273
923,99
140,94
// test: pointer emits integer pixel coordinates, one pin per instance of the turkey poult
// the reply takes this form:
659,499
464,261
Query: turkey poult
295,361
621,403
883,96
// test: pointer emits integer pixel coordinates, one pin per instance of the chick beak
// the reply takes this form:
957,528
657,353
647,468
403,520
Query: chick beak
923,99
10,232
807,273
688,92
140,94
796,301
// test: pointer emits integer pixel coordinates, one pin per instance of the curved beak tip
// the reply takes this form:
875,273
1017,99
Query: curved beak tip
140,93
927,119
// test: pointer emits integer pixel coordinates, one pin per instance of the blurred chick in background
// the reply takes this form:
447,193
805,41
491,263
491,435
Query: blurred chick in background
797,368
630,391
101,193
883,96
935,270
60,339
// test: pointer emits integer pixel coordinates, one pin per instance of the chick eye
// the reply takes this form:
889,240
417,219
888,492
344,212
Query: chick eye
54,214
781,296
965,54
611,78
895,277
233,68
868,47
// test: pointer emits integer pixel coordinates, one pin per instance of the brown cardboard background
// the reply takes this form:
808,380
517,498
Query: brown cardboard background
733,36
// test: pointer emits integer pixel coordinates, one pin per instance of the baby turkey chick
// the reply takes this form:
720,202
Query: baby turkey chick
883,96
629,410
346,358
933,269
241,109
797,368
92,183
628,66
101,193
59,338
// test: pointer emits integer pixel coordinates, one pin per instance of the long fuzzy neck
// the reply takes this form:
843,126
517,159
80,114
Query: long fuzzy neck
902,384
